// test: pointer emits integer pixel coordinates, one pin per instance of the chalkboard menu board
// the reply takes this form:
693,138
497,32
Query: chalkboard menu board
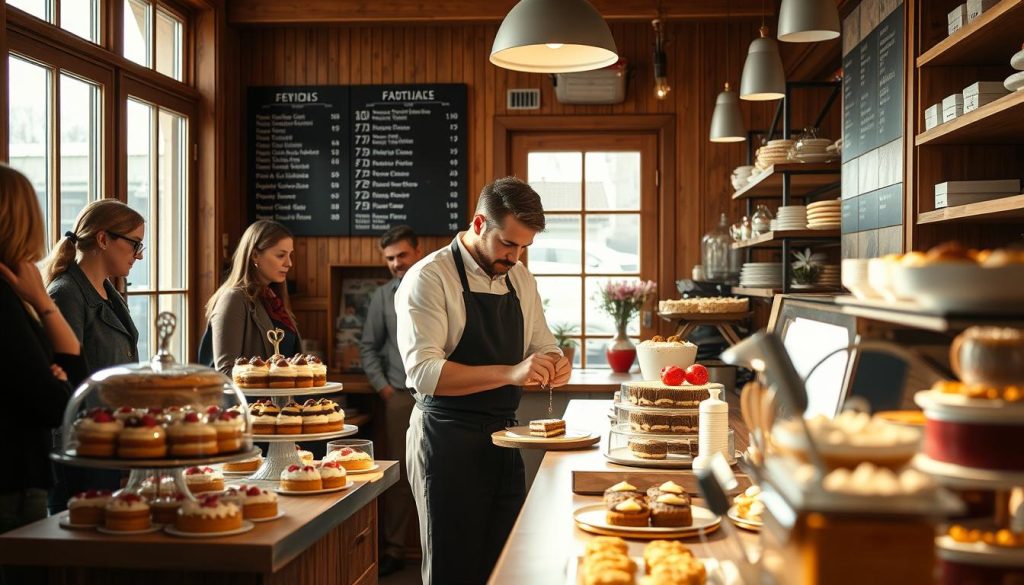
873,89
358,160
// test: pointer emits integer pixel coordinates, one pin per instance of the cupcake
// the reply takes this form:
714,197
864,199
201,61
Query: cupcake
87,508
305,456
142,438
97,434
191,437
208,514
229,427
303,373
203,479
282,374
256,503
619,492
351,459
126,513
314,417
335,414
258,374
319,370
165,508
332,474
263,421
239,372
301,478
289,422
628,512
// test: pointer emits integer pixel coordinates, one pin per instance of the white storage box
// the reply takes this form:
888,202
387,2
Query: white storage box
982,87
950,114
975,101
957,19
952,193
954,199
933,116
976,7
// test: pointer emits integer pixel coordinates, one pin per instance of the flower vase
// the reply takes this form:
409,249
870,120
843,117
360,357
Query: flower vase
620,352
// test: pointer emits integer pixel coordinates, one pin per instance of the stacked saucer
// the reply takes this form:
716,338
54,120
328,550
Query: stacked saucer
741,176
792,217
811,150
776,151
761,274
828,276
1015,82
824,215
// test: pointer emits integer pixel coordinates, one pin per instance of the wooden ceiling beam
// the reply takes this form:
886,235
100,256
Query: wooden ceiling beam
275,12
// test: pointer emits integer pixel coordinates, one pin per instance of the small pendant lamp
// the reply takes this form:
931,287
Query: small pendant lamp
763,76
553,36
808,21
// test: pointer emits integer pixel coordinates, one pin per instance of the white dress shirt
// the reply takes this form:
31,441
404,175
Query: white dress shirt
432,314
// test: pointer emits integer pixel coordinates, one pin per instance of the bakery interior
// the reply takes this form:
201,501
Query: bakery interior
783,255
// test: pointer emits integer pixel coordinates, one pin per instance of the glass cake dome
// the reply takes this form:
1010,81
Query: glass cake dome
156,414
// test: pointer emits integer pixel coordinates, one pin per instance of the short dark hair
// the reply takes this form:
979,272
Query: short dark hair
511,196
397,234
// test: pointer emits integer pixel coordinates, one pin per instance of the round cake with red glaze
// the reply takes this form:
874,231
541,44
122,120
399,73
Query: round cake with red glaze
979,433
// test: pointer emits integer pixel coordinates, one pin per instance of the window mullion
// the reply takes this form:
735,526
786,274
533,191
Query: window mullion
54,154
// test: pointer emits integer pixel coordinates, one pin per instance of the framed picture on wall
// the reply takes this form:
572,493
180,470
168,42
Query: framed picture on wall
351,302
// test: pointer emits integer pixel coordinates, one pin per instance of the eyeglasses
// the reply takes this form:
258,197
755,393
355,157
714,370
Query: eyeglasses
137,245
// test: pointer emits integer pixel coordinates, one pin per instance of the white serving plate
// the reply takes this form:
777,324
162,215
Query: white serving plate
285,492
593,516
329,388
1015,82
1017,61
961,286
247,525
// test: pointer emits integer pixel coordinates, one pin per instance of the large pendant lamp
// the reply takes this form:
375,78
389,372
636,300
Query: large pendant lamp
763,76
553,36
808,21
727,121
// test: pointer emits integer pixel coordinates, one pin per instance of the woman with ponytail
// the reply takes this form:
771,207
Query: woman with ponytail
44,352
80,273
252,301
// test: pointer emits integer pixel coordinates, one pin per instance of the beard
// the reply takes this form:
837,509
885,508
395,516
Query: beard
488,263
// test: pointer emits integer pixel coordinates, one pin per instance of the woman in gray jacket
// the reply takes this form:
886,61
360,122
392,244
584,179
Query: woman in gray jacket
253,300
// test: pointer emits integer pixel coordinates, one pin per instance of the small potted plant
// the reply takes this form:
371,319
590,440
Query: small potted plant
563,333
805,269
623,300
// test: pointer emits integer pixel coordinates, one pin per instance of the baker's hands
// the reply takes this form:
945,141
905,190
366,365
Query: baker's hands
563,369
536,369
27,282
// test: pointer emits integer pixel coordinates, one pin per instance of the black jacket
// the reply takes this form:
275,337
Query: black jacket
35,399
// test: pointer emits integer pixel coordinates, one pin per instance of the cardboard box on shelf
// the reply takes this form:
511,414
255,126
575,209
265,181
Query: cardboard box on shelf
976,7
956,19
952,193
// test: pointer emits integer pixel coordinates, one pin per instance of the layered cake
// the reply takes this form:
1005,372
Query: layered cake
264,418
319,370
335,414
748,504
656,354
547,427
289,422
332,474
314,417
192,437
656,394
619,492
648,449
255,502
704,305
203,479
351,459
303,373
86,508
207,515
142,438
249,464
656,422
97,433
165,508
282,374
229,426
670,505
628,512
301,478
966,429
126,513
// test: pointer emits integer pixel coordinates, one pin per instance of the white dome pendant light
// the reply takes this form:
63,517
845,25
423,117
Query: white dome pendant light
727,120
763,75
808,21
553,36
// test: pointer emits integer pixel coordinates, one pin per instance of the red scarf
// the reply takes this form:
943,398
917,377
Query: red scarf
275,308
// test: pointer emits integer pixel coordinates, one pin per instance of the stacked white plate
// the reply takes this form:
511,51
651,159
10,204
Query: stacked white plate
829,276
792,217
776,151
811,150
825,215
740,176
761,274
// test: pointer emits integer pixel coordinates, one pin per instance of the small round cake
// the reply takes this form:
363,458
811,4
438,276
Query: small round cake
628,512
258,374
303,373
255,502
263,422
142,438
192,437
239,372
97,434
208,514
670,505
351,459
319,370
282,374
250,464
289,422
204,479
335,414
229,426
301,478
126,513
305,456
314,417
332,474
165,508
87,508
648,449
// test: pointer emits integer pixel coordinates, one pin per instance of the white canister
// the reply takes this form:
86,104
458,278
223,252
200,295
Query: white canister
698,272
713,435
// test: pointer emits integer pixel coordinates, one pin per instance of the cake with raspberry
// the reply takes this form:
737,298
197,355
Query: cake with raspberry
87,508
229,426
301,478
256,503
351,459
142,438
192,437
289,422
126,513
165,508
208,514
332,474
204,479
303,373
314,417
97,433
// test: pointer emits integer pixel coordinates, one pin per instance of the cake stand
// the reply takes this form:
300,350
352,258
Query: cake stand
281,452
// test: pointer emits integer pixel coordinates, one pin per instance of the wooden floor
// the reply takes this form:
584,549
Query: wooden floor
410,575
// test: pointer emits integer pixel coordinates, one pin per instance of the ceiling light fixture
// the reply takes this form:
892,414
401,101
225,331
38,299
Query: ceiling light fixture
727,120
661,85
808,21
553,36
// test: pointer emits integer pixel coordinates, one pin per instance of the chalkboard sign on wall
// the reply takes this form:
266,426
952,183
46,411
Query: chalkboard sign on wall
358,160
873,89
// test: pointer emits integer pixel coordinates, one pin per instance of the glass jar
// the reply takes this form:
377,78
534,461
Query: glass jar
761,221
716,247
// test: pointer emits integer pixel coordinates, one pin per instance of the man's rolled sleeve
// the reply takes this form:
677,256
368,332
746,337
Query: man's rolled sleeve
422,329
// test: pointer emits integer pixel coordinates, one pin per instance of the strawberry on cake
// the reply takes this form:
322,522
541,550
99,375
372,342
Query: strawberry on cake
192,437
142,438
351,459
126,513
229,426
332,474
301,478
255,502
204,479
208,514
97,433
86,508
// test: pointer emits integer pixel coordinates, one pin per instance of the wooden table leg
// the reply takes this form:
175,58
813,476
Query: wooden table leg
729,334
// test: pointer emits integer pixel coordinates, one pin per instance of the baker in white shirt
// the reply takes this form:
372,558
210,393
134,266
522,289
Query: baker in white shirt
472,333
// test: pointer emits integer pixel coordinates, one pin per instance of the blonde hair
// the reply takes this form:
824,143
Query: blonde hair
105,215
22,235
244,275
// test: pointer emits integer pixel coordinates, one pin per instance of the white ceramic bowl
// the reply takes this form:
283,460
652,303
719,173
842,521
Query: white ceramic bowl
880,278
653,356
855,278
962,286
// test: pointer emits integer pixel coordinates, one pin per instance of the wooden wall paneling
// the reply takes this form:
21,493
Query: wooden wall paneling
4,85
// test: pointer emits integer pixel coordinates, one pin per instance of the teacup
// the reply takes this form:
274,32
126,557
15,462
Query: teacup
989,355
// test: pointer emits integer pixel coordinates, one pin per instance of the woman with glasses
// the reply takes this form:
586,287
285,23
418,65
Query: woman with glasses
80,273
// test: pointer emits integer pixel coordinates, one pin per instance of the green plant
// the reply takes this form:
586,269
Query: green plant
563,335
805,269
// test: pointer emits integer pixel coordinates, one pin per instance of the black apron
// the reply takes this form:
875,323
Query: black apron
474,490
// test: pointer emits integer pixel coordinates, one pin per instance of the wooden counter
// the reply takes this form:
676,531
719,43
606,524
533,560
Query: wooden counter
545,539
582,380
325,539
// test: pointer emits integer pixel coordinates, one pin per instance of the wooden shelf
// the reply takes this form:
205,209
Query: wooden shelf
909,315
1000,122
1005,209
774,239
804,179
989,40
767,293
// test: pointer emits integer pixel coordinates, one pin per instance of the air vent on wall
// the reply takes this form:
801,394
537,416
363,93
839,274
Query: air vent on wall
524,99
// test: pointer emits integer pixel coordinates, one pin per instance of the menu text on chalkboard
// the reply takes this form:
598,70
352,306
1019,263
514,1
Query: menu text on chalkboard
873,89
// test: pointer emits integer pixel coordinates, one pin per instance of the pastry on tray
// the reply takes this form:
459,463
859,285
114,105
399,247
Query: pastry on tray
165,508
282,374
314,417
606,562
648,449
351,459
675,423
628,512
86,508
333,474
670,505
619,492
203,479
208,514
126,513
254,501
658,550
289,422
191,437
301,478
547,427
97,433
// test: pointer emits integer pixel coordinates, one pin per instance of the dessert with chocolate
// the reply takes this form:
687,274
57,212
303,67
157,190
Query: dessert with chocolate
648,449
547,427
649,422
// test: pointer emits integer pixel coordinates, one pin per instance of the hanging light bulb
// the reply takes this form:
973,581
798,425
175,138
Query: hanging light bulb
661,85
808,21
553,36
763,75
727,121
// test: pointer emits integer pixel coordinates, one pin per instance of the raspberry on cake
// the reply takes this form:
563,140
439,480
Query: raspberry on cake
229,426
351,459
301,478
165,508
142,438
289,422
547,427
126,513
86,508
332,474
255,502
97,434
314,417
208,514
203,479
192,437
